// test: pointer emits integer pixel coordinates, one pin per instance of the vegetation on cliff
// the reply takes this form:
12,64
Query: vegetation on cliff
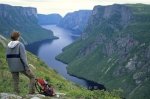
114,49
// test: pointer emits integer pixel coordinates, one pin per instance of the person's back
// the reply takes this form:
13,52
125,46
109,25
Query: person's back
17,61
13,57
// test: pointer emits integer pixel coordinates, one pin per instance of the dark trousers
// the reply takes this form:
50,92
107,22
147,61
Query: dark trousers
30,75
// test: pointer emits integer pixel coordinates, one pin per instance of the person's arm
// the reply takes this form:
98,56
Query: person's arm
23,56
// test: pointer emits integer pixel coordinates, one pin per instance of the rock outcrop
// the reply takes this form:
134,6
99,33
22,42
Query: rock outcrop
50,19
76,21
14,96
25,11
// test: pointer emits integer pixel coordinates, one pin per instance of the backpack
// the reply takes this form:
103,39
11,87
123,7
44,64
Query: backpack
44,88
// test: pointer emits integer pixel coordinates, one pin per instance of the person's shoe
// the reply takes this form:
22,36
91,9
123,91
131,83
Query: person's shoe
17,92
31,93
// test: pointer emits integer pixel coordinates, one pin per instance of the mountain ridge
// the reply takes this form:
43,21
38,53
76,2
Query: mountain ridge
49,19
76,20
24,20
114,49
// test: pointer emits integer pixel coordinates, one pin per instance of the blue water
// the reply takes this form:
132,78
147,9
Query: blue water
47,50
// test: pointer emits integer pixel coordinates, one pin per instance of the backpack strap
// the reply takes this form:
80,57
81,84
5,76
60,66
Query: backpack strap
40,85
37,86
44,88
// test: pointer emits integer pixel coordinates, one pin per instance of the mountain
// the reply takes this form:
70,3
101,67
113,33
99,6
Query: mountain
41,70
49,19
76,21
23,19
114,49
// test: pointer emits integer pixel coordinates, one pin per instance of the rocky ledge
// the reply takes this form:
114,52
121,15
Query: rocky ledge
34,96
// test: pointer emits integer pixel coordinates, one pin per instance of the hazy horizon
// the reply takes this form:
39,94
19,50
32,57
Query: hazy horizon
62,7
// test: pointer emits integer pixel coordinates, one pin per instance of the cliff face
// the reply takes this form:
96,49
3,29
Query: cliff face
114,49
23,19
49,19
18,14
76,21
113,15
25,11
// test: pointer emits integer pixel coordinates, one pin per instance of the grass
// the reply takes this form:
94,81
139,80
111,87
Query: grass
43,71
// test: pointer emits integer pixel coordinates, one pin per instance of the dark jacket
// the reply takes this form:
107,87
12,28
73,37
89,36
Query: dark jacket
16,57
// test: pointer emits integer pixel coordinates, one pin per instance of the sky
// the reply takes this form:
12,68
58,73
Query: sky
64,6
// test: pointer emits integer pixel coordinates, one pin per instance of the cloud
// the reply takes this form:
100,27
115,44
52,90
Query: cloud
36,0
64,6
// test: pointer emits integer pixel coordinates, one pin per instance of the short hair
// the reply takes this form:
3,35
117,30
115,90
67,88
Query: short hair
15,35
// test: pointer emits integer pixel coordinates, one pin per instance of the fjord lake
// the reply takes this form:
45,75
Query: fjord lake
47,50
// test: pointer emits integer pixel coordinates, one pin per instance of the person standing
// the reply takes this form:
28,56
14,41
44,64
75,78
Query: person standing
17,62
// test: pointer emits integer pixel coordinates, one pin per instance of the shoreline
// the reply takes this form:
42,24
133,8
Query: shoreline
51,39
92,84
36,45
